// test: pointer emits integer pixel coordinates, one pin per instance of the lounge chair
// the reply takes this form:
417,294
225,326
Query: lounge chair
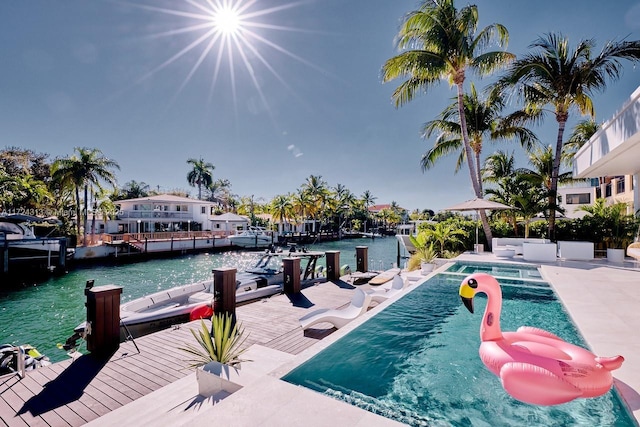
338,317
634,250
381,295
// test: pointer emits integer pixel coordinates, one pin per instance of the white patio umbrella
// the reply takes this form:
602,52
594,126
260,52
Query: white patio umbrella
477,205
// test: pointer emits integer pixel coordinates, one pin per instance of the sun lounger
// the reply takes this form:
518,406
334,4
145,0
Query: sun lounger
381,295
634,250
338,317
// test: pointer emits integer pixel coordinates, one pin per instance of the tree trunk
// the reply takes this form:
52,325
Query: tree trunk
553,190
475,177
84,215
78,218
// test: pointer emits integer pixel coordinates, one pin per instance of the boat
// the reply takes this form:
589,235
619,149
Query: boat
184,303
10,362
252,237
16,231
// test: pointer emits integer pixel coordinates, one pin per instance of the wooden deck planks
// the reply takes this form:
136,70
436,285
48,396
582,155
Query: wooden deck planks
74,393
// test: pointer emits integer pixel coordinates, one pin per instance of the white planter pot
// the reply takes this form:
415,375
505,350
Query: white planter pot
615,255
426,268
215,377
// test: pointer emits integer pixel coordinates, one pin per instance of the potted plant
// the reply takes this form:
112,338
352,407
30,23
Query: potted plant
218,354
615,224
424,255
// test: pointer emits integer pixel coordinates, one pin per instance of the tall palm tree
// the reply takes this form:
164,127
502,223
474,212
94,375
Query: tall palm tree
484,120
87,167
201,174
562,78
444,43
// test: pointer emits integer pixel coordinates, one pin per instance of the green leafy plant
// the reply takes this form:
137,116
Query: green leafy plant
223,343
616,225
425,251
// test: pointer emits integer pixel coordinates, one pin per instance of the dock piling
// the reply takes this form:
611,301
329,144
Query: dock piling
224,290
362,253
103,314
291,275
333,265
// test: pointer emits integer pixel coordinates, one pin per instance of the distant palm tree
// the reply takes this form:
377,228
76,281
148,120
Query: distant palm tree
134,190
563,78
201,174
87,167
281,207
444,44
318,192
368,200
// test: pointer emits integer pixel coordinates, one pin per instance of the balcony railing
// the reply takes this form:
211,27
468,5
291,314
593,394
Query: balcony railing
155,214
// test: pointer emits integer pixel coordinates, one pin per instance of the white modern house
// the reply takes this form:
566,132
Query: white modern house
162,213
613,154
573,197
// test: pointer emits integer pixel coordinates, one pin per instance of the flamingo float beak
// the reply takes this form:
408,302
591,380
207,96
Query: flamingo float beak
466,295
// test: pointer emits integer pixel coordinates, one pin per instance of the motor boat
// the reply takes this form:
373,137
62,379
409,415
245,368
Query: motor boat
252,237
17,231
184,303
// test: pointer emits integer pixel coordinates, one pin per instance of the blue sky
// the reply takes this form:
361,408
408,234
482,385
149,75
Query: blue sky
310,100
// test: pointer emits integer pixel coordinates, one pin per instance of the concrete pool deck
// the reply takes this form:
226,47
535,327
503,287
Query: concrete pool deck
601,298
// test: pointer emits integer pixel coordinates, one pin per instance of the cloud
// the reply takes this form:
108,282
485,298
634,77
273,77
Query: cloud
294,150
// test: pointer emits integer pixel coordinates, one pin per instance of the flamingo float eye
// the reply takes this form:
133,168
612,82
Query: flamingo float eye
473,283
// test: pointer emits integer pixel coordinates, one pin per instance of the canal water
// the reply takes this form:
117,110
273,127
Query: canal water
45,314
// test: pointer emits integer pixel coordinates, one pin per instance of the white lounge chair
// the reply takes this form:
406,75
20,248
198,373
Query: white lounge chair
634,250
381,295
338,317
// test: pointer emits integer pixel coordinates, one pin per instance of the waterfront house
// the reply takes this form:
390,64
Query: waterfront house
613,156
162,213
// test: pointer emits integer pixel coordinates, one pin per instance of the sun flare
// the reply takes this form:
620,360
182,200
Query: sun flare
227,21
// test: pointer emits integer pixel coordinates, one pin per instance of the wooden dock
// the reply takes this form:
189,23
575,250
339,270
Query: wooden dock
72,393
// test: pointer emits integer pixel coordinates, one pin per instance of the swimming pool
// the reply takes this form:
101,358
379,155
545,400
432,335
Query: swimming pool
417,361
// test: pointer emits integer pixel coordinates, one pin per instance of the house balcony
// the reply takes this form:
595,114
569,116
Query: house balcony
156,215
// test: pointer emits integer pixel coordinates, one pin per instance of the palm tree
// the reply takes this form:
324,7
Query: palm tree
201,174
317,190
562,78
444,233
483,121
87,167
444,45
281,207
368,200
580,135
133,190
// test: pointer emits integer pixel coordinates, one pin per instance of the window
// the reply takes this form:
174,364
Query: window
203,209
578,199
620,185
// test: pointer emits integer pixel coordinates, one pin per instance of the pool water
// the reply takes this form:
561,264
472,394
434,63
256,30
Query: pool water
417,362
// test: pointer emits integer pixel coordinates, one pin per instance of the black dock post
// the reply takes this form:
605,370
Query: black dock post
103,314
62,255
291,275
333,265
224,291
362,265
398,258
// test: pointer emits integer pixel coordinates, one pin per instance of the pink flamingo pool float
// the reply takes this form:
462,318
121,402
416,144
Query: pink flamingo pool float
535,366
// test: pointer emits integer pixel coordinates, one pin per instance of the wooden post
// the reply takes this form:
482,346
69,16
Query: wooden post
62,255
194,243
292,275
145,245
224,290
362,253
103,314
398,256
333,265
172,243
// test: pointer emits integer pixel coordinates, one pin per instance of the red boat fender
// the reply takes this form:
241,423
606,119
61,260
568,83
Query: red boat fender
201,312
